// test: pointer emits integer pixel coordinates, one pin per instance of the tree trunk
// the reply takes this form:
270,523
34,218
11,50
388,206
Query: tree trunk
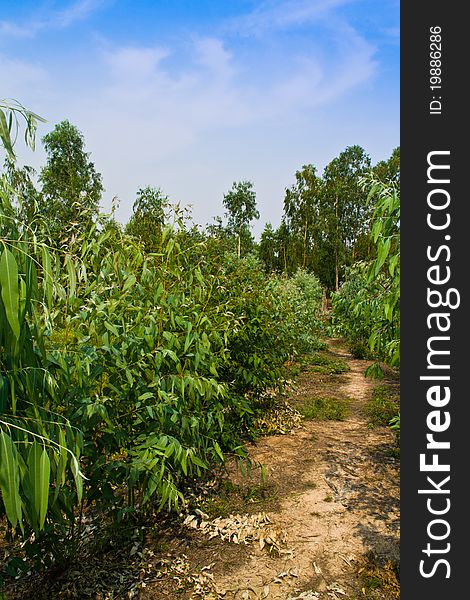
336,268
305,244
337,244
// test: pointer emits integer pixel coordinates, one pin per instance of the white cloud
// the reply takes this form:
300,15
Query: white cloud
20,77
10,29
283,14
54,19
75,12
211,53
135,63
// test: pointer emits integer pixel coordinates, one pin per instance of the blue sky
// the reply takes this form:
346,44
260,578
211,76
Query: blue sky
193,95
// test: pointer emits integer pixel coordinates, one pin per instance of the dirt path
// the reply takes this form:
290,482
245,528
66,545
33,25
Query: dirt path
337,500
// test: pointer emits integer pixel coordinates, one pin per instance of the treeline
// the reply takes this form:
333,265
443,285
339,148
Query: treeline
325,226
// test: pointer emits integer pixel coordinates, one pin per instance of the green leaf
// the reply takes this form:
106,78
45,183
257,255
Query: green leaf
48,281
71,274
5,135
61,465
111,328
183,462
393,264
383,249
9,479
78,477
39,474
10,294
130,281
218,451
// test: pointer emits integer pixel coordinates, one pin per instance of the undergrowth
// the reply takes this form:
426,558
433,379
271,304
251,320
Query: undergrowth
325,409
383,406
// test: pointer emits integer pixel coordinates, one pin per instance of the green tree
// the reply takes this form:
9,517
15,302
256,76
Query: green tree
240,203
302,214
268,249
344,203
148,217
388,171
71,186
283,237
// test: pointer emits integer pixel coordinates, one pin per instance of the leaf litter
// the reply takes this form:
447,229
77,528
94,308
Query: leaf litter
242,529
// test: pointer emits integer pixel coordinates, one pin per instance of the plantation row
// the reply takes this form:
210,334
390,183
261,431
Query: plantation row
134,369
366,309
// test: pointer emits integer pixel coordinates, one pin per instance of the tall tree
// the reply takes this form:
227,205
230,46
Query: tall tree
268,249
240,203
71,186
302,213
345,203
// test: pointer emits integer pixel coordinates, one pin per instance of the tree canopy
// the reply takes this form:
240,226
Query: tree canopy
148,216
240,203
71,186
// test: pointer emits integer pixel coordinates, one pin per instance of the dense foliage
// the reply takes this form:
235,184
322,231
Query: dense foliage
144,366
133,359
366,310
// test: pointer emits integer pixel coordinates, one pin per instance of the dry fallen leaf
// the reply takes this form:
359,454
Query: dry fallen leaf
334,587
264,593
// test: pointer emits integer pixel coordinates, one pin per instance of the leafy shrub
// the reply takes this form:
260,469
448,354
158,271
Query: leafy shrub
159,361
39,447
301,296
366,309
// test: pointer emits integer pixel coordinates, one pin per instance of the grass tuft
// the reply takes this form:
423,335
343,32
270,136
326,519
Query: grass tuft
323,363
325,409
383,405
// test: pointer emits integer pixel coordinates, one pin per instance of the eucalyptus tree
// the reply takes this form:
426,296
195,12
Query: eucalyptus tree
303,214
388,171
344,204
148,216
71,186
268,249
240,203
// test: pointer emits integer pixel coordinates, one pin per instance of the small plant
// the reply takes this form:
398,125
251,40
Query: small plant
395,425
380,577
322,363
359,349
